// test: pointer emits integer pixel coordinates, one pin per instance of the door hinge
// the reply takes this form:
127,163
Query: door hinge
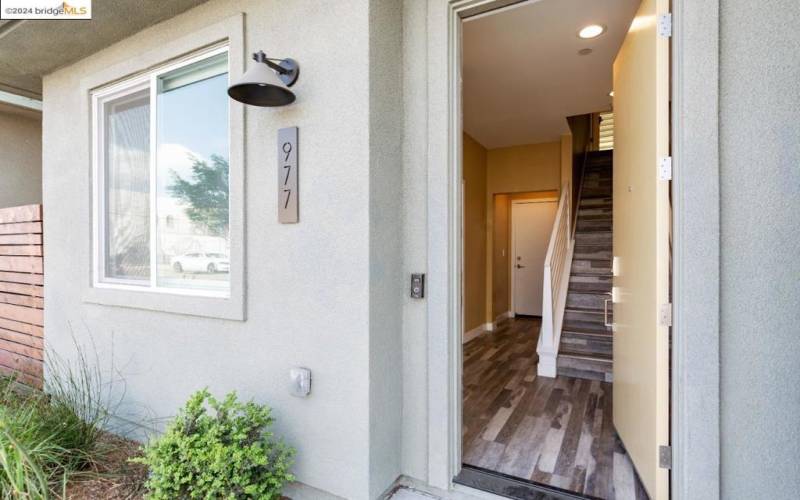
665,25
665,457
665,316
665,168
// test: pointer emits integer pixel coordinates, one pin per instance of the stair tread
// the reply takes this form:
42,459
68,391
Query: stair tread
595,336
599,357
592,310
601,289
586,327
591,230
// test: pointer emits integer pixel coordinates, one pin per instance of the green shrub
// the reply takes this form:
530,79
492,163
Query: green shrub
228,452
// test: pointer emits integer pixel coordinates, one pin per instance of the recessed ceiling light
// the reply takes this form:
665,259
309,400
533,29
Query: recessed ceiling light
611,94
592,31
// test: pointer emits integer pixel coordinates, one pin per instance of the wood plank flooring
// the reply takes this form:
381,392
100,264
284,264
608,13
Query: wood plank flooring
556,431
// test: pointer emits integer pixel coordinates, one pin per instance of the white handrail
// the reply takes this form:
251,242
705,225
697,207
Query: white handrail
556,281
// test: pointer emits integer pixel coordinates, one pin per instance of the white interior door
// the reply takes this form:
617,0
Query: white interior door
532,222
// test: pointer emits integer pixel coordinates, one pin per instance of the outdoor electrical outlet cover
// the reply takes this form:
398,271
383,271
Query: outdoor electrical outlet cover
300,380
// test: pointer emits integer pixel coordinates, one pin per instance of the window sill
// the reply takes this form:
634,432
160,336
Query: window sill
230,308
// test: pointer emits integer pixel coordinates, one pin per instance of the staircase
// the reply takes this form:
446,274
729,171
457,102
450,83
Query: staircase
585,350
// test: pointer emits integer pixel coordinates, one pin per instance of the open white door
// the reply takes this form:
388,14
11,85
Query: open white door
641,245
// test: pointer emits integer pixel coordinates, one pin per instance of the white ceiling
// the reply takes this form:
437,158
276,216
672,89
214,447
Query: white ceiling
522,75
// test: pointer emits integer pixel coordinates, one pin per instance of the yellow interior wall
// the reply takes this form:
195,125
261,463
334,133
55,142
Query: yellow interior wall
566,159
528,171
474,174
501,255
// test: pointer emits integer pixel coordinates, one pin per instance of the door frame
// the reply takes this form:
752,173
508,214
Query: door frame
513,252
695,241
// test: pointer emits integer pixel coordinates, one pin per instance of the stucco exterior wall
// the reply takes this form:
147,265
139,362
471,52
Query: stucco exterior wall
414,230
324,294
759,137
387,282
20,157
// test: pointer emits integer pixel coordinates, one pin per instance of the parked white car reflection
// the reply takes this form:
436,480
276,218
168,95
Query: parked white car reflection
199,262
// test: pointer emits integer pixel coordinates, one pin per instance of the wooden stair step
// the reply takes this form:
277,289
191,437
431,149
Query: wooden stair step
589,278
597,336
590,287
577,325
594,347
591,266
588,316
600,359
593,367
594,252
590,299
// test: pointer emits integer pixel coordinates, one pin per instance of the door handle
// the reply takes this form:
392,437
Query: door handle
519,266
605,312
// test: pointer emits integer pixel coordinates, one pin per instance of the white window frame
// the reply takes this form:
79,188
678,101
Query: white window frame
98,99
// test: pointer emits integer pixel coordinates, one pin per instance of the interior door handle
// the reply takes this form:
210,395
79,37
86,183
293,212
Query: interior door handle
519,266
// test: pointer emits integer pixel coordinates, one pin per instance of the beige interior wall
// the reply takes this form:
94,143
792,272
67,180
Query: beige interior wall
532,167
526,171
566,159
20,157
501,271
475,259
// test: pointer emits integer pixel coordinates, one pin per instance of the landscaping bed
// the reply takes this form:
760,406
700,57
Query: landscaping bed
55,445
112,476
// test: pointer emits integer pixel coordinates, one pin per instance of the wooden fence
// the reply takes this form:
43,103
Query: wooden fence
21,293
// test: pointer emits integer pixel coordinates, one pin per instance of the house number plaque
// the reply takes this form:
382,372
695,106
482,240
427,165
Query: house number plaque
287,176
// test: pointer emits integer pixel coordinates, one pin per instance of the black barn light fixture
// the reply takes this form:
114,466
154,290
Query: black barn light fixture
266,84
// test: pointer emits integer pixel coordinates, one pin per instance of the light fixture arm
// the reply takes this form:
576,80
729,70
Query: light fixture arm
288,70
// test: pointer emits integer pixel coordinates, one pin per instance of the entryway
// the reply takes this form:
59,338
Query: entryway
564,388
553,431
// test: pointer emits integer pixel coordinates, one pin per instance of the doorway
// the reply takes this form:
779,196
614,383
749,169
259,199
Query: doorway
531,223
573,434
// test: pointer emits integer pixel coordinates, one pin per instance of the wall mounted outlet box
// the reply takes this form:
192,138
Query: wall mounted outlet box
300,382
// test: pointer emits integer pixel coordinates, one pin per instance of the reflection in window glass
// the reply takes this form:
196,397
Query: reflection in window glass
192,222
127,185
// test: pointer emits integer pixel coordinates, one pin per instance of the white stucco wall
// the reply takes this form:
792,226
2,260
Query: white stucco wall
325,293
387,282
414,230
20,157
759,183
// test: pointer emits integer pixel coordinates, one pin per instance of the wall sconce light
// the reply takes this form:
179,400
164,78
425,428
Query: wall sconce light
266,84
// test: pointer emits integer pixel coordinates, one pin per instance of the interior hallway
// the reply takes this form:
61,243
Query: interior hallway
556,431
